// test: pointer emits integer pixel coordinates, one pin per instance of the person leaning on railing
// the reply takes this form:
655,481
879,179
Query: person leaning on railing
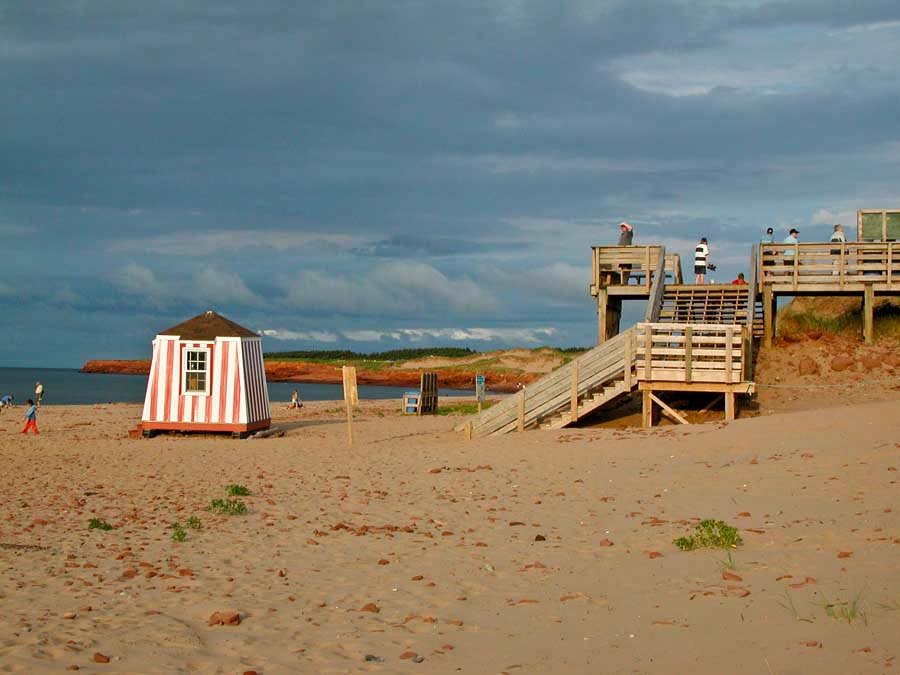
626,237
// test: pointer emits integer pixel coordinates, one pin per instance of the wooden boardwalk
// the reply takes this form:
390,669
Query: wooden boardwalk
864,269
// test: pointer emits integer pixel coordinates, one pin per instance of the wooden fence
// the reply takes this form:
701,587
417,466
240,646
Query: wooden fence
829,266
630,266
691,353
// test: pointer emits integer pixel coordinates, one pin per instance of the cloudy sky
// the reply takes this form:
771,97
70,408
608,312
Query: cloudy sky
381,173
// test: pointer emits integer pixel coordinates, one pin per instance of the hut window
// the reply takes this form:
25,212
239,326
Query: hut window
196,372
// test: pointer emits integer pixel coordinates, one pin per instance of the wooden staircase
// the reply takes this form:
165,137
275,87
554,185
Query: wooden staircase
570,392
710,304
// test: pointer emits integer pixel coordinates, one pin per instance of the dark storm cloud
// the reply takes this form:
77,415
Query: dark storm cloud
292,161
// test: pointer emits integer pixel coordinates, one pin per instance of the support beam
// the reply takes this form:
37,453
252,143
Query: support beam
710,405
869,314
729,406
647,409
768,315
668,409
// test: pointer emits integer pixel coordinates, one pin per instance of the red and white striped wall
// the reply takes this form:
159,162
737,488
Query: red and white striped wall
236,397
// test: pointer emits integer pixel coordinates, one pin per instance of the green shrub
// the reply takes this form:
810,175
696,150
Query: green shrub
710,534
228,507
97,524
237,490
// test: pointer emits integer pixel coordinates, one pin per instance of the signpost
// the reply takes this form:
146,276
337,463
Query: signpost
479,390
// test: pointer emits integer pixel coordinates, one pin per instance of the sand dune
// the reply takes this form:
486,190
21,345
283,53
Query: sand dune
534,553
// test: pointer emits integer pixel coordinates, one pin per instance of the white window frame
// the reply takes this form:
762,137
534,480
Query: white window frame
184,371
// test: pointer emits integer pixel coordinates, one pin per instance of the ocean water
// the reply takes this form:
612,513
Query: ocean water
68,386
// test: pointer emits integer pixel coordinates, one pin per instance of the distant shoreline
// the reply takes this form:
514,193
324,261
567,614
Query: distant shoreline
304,372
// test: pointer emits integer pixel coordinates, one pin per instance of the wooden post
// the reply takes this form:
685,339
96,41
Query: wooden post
520,425
729,405
890,264
647,267
351,392
768,315
688,353
349,407
648,352
647,410
729,357
869,313
574,393
602,296
796,264
629,359
842,264
467,431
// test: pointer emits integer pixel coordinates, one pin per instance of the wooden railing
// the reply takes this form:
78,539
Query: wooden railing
672,352
654,302
630,266
829,266
611,361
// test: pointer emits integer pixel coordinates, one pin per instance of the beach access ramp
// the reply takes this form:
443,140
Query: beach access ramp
594,379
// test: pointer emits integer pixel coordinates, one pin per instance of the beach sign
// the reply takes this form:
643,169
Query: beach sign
479,390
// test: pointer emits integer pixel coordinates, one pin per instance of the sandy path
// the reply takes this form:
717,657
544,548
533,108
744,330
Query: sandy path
440,536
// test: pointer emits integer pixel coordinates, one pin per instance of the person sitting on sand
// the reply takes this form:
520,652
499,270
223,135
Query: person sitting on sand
6,401
31,418
296,403
740,281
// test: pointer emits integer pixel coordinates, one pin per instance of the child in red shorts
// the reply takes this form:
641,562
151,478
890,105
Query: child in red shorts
30,418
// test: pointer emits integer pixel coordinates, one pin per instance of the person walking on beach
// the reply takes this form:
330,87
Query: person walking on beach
626,237
38,393
701,261
31,418
296,403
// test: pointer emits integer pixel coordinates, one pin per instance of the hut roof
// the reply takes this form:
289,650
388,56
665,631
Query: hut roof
208,326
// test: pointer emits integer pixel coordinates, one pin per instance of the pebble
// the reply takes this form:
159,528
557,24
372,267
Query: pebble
69,615
225,618
100,658
374,659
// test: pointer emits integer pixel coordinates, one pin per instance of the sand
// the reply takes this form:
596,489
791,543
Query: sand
543,552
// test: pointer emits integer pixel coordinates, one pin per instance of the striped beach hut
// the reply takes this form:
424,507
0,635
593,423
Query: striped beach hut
207,374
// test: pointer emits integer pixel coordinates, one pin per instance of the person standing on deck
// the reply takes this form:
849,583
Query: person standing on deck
31,418
701,261
837,237
38,393
626,237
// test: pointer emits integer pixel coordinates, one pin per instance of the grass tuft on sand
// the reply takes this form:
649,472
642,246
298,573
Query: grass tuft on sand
710,534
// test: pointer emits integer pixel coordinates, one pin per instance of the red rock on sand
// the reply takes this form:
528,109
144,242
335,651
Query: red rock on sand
870,362
845,554
225,618
100,658
842,362
605,542
408,655
370,607
807,366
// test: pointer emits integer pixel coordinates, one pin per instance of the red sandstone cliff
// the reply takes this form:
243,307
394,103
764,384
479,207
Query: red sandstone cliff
298,371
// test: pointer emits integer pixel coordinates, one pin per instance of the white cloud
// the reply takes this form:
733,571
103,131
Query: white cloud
826,217
509,335
216,286
200,244
140,280
390,288
308,336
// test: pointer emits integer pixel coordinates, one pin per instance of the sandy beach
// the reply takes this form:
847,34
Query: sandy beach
535,552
